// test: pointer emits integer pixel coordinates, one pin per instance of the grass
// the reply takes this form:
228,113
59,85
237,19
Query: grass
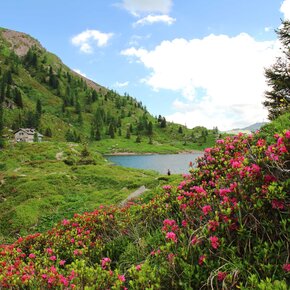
37,190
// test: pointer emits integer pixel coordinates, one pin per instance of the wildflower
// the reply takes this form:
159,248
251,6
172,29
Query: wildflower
194,241
49,251
277,204
138,267
286,267
65,222
62,262
261,142
171,236
63,280
214,242
170,257
52,258
105,262
212,225
206,209
287,134
184,223
201,260
221,276
121,278
31,256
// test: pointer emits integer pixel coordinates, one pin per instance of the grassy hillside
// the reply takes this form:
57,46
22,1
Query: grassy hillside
42,183
225,226
37,90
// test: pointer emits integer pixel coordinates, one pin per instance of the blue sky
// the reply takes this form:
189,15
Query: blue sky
197,62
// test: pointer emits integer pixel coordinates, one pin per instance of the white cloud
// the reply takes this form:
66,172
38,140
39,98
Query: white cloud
268,29
151,19
121,85
89,38
285,9
147,6
79,72
221,78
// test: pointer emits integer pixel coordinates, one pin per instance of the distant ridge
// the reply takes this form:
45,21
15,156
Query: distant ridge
247,130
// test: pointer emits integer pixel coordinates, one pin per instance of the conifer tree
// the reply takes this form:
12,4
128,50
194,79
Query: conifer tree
278,97
112,131
150,129
18,98
2,143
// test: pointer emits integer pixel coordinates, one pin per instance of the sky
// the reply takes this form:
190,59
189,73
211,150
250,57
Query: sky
196,62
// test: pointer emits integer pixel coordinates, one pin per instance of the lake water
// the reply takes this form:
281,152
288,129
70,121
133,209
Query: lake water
176,163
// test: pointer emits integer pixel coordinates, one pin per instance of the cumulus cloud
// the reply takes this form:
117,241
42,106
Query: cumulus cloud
87,39
151,19
121,85
79,72
285,9
220,78
136,7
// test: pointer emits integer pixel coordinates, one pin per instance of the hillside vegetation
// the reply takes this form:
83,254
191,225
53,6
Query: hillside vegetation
225,226
37,90
42,183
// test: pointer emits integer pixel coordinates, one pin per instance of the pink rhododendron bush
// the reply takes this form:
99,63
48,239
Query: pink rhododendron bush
226,226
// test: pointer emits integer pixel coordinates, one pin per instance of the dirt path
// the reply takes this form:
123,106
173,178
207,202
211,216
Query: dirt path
134,194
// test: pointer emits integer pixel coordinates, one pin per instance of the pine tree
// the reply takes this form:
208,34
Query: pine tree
2,142
128,133
98,135
180,131
150,129
112,131
163,123
48,132
138,139
38,108
18,98
278,77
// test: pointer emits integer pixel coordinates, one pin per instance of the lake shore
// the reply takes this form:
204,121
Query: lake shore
152,153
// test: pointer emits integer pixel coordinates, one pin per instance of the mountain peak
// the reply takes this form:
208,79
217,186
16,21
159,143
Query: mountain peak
20,42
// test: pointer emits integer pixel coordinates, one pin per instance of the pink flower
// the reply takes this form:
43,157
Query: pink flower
49,251
63,280
52,258
170,257
184,223
65,222
62,262
287,134
277,204
171,236
121,278
220,141
206,209
261,142
201,260
286,267
105,262
221,276
194,241
138,267
212,225
214,242
32,256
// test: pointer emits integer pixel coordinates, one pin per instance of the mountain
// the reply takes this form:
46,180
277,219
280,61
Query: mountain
255,127
247,130
37,90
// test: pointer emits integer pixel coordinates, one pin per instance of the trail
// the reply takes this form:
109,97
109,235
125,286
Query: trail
134,194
